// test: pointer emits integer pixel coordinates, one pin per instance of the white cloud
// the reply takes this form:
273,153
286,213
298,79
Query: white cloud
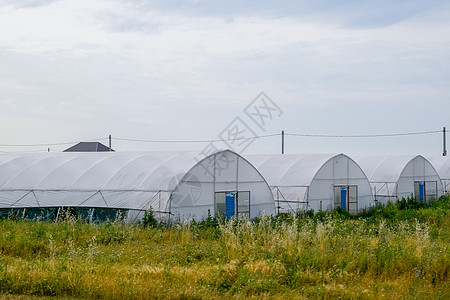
93,62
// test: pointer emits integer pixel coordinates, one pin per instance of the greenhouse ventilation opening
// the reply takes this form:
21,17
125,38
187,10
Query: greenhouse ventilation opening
314,181
109,185
395,177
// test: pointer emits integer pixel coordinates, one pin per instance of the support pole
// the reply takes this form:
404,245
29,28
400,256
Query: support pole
278,200
444,153
282,141
110,149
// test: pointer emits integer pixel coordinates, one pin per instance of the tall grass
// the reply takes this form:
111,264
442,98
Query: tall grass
387,252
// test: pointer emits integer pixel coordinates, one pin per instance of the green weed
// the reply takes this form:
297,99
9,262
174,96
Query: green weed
397,251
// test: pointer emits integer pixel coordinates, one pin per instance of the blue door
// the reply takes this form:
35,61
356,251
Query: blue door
230,204
344,197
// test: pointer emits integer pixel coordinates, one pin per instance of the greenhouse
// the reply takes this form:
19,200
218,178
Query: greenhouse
109,185
318,182
396,177
442,166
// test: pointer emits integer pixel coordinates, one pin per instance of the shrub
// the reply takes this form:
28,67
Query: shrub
410,203
149,219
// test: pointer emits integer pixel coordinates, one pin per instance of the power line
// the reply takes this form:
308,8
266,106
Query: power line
230,139
362,135
197,141
279,134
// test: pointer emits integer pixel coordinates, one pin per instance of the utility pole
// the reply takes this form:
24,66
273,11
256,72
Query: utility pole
282,141
110,149
444,153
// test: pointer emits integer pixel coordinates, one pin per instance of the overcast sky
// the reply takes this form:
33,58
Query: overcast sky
185,70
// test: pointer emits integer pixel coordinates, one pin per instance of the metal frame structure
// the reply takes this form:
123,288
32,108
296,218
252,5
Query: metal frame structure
176,185
308,181
394,177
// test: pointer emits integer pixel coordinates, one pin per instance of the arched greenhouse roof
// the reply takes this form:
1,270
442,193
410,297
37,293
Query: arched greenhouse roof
442,165
289,169
384,168
179,184
400,176
312,181
94,171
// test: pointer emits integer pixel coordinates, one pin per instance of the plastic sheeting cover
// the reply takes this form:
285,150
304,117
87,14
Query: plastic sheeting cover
393,177
182,183
309,179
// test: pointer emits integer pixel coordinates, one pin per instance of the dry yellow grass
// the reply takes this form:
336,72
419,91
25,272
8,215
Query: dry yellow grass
270,259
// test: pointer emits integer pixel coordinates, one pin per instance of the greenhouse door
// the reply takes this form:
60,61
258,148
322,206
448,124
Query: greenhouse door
228,204
346,197
425,190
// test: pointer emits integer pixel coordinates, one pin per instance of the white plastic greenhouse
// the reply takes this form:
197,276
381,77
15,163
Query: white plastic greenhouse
442,166
318,182
99,186
396,177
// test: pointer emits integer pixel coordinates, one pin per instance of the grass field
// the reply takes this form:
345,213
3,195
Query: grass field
399,251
